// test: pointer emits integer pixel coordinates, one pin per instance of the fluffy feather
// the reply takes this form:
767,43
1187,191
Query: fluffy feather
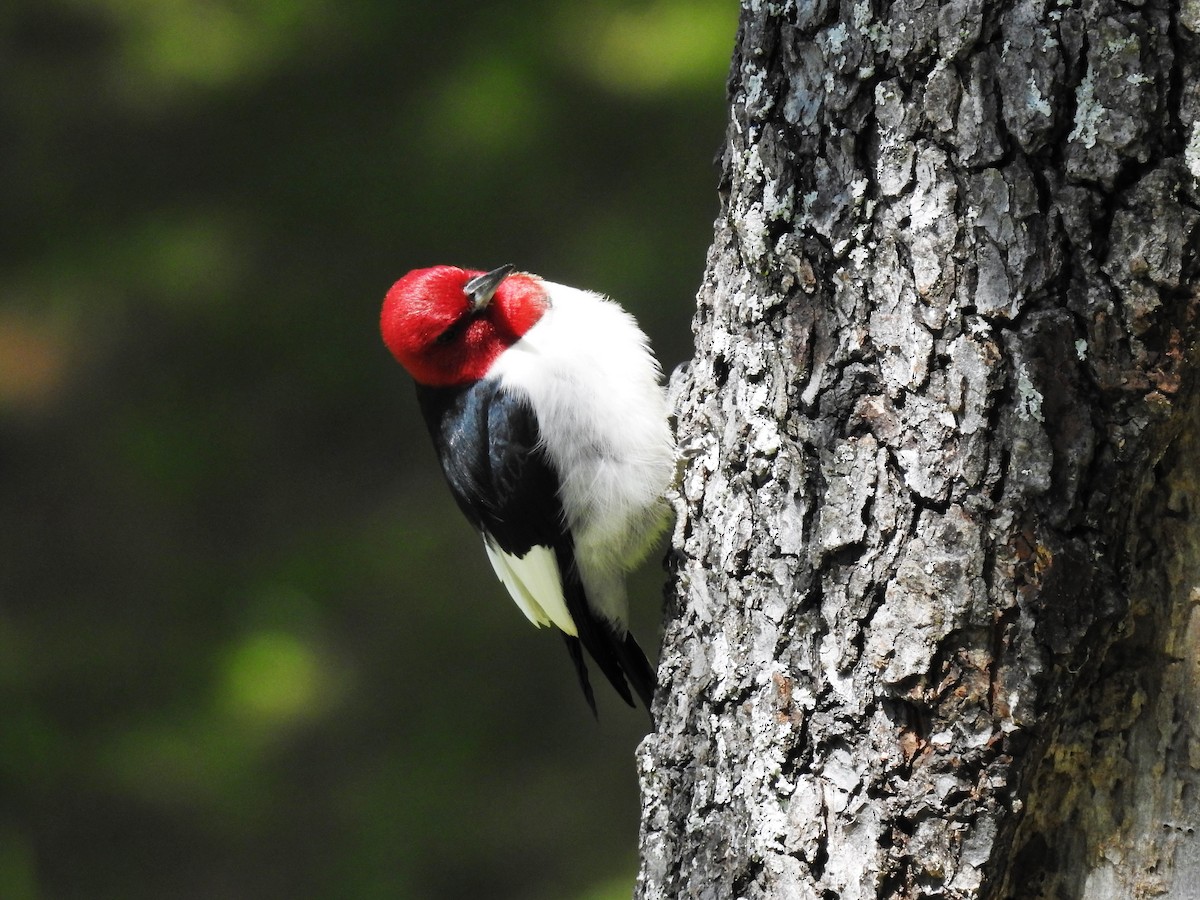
589,375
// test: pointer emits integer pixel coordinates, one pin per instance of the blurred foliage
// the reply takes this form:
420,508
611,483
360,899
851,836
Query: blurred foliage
247,646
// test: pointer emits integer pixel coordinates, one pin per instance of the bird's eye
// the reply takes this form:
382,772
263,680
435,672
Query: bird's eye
450,334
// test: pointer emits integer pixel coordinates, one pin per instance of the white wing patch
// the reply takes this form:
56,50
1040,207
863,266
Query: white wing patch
535,584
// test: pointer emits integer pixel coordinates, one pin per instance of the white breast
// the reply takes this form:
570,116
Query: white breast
594,386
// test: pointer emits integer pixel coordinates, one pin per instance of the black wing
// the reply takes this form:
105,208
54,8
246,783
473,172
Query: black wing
488,443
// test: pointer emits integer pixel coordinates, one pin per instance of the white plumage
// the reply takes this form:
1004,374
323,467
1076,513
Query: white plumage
594,386
535,583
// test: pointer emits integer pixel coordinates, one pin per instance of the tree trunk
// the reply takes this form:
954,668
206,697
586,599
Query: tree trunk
932,629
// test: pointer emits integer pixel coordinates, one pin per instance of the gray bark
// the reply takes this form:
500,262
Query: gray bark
931,630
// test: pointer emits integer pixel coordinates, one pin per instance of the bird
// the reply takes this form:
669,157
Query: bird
547,413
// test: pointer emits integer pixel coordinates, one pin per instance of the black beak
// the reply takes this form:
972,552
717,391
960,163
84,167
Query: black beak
482,288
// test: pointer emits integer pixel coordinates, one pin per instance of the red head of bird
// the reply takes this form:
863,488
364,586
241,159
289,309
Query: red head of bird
448,325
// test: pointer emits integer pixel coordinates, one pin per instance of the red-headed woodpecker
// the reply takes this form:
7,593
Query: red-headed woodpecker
548,417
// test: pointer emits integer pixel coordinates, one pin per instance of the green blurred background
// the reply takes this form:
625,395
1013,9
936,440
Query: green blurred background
248,648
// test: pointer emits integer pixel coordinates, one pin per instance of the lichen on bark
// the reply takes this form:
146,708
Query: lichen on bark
942,346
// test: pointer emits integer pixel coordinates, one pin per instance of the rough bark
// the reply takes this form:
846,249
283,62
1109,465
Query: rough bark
931,627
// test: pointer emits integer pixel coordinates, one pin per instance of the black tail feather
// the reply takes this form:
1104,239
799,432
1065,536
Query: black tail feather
614,650
619,658
598,640
576,652
636,667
